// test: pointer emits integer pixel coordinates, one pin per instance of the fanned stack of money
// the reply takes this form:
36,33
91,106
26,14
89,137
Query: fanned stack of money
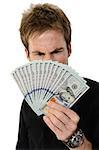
41,81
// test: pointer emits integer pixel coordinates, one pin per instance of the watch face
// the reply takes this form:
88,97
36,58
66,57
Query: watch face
76,139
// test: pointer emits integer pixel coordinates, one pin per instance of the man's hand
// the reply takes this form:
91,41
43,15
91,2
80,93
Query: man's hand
63,122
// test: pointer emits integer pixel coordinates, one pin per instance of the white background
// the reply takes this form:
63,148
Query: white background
84,16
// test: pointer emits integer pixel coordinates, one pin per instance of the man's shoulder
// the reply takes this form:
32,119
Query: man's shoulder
29,116
90,81
92,95
94,85
26,109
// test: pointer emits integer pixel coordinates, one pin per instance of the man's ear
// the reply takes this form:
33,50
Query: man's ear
27,53
69,49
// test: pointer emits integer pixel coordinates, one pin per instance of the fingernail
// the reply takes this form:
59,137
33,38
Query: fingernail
45,109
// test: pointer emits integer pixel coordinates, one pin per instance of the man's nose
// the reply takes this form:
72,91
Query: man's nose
48,57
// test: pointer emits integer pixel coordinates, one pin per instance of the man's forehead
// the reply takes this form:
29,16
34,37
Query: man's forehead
50,40
43,32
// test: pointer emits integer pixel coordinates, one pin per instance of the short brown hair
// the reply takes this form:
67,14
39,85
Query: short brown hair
42,17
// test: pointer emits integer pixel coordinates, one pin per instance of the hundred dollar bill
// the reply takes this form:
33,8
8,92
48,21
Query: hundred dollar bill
41,81
69,93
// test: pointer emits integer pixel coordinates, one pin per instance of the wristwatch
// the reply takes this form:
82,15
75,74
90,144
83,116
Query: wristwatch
75,140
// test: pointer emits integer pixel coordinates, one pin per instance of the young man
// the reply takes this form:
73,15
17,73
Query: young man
46,34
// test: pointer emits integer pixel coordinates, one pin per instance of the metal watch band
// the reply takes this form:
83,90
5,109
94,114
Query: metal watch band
76,139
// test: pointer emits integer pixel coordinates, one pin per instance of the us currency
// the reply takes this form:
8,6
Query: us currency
70,92
41,81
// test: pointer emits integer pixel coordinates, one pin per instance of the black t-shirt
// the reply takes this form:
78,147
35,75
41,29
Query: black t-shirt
35,135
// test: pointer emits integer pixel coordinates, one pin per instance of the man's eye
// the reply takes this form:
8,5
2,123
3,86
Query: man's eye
40,54
56,52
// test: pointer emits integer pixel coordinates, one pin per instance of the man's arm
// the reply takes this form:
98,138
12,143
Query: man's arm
85,146
22,142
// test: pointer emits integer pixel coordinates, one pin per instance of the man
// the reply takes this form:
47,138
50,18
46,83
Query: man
46,34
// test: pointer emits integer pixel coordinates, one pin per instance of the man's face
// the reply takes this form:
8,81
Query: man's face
49,45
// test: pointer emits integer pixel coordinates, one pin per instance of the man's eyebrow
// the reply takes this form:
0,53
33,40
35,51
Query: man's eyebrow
55,50
37,52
